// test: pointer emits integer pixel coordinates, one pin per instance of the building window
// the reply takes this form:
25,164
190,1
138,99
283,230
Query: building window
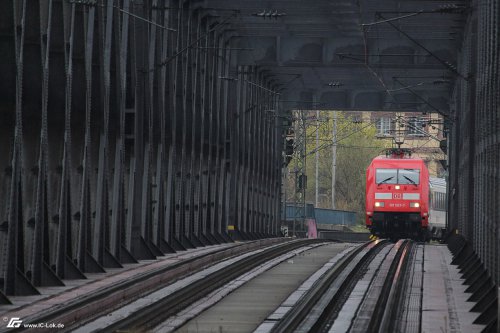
414,126
384,126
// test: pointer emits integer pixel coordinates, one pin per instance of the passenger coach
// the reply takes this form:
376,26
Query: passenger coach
437,207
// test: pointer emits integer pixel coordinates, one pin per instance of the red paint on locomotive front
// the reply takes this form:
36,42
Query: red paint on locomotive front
396,202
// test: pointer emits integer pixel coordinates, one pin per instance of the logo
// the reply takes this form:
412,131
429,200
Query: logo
397,196
14,322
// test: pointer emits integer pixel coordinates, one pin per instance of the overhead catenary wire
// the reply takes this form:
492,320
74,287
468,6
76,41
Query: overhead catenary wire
204,35
340,139
144,20
408,124
377,76
444,63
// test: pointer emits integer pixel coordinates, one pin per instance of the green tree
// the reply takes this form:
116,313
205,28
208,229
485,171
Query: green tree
357,145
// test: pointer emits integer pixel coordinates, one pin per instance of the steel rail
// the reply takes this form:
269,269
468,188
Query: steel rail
403,306
291,321
387,309
154,314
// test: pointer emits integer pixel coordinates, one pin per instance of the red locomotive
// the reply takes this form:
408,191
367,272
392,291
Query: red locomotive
397,196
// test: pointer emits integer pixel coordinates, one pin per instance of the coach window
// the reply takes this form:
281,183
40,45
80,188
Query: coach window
386,176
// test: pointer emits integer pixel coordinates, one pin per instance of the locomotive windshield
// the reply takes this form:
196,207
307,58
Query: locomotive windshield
398,176
409,176
387,176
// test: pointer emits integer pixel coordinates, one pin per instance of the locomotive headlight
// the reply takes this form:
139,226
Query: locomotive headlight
414,204
379,204
397,187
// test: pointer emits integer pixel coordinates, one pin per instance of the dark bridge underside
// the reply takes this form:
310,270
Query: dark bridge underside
317,44
134,128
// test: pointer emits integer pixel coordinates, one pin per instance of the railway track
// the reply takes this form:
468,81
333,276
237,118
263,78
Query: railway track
362,292
315,311
92,302
374,287
172,299
382,301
